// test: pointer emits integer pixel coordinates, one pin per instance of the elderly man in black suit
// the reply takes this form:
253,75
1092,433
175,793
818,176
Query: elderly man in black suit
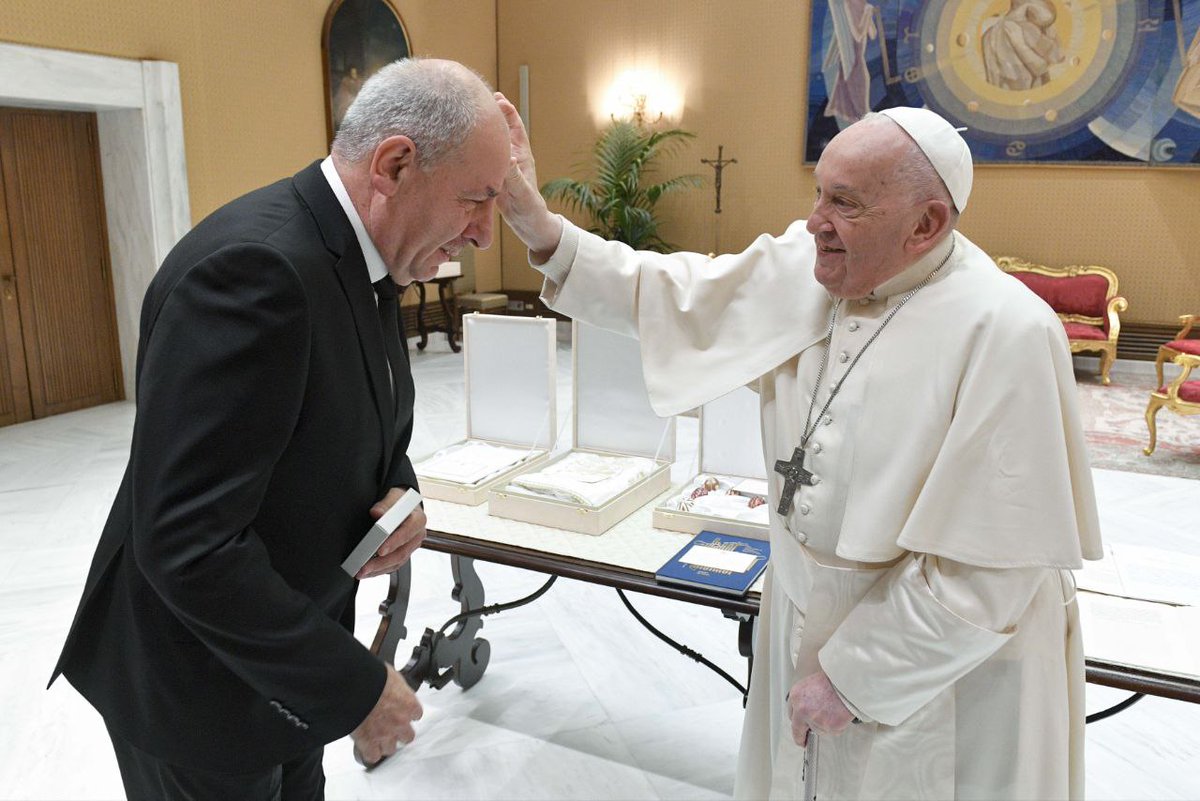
274,411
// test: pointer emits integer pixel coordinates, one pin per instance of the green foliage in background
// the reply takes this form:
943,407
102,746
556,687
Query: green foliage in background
621,198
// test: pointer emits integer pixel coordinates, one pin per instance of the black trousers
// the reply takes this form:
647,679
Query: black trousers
148,778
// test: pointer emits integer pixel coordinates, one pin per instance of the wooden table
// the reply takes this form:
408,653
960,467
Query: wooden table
446,299
624,562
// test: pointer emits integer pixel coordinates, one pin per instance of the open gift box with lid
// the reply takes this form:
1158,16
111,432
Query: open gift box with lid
510,402
622,451
729,494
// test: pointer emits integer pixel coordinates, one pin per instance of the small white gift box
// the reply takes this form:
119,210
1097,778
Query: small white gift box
731,464
511,422
448,269
611,418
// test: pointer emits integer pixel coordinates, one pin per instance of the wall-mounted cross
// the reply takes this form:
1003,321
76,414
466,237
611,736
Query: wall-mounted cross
718,164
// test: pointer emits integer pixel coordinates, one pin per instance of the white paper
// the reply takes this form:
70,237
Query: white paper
710,558
1101,576
1134,571
1159,575
1140,633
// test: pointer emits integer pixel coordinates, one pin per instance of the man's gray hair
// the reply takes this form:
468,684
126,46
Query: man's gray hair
434,103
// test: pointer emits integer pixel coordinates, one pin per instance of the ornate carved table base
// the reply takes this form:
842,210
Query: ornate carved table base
461,656
439,658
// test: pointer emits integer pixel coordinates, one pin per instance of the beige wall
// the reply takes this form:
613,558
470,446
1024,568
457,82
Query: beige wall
250,74
253,111
741,65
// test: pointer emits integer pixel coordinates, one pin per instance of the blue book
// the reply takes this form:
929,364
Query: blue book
722,563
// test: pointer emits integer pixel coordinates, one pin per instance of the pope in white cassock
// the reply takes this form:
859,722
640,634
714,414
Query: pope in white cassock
918,635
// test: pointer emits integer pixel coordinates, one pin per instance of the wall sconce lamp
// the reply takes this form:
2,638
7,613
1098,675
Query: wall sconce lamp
638,114
642,97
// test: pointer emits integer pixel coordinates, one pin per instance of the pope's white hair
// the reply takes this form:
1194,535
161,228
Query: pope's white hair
434,103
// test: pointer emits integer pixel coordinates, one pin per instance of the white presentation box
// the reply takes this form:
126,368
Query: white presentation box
612,417
510,366
731,452
448,269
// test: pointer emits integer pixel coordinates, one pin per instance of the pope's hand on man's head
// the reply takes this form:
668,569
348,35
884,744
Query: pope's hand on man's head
520,202
814,705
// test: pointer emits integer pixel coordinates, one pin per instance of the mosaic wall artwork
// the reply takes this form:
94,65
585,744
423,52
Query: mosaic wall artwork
1082,81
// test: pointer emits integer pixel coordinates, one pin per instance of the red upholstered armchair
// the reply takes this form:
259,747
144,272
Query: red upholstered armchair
1180,396
1085,299
1181,344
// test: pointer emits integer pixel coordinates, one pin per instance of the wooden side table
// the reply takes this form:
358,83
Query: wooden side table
448,273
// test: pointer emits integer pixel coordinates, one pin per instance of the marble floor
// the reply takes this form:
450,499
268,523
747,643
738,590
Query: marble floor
579,700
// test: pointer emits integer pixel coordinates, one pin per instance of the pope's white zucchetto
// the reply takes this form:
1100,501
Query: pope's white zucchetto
942,145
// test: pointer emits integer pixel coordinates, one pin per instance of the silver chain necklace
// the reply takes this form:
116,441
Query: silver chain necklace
792,470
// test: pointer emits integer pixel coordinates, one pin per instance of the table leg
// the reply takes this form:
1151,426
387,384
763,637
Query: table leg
747,624
393,609
449,308
461,651
421,316
459,656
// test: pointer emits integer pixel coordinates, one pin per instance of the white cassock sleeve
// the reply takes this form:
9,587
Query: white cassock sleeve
555,269
706,325
924,626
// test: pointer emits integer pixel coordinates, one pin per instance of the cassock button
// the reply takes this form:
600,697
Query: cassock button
843,357
816,447
816,480
827,420
853,326
805,508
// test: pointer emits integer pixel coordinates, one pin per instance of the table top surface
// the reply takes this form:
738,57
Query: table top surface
628,554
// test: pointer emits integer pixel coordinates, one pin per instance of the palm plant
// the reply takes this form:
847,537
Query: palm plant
620,206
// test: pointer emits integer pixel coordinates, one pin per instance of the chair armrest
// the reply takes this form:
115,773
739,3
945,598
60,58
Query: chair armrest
1186,320
1116,305
1187,362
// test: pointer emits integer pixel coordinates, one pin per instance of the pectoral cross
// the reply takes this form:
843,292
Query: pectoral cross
794,474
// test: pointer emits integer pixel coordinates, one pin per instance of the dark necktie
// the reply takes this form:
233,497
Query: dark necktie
389,317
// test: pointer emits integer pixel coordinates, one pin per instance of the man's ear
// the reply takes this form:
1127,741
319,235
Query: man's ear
394,161
935,219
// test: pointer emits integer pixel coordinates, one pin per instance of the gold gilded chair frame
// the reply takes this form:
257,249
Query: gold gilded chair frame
1170,399
1114,305
1166,352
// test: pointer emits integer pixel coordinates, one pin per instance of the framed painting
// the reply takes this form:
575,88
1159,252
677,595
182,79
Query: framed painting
1031,81
359,37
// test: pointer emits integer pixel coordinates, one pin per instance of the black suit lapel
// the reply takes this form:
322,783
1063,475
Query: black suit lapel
351,270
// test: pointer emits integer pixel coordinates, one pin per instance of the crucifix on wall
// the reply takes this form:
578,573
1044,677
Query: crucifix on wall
718,164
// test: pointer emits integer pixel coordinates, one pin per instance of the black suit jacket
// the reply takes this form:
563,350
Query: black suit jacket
214,628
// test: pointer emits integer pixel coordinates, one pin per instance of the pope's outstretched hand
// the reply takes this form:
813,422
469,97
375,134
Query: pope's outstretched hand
520,202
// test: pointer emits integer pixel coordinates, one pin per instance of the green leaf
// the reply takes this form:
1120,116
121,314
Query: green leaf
617,200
